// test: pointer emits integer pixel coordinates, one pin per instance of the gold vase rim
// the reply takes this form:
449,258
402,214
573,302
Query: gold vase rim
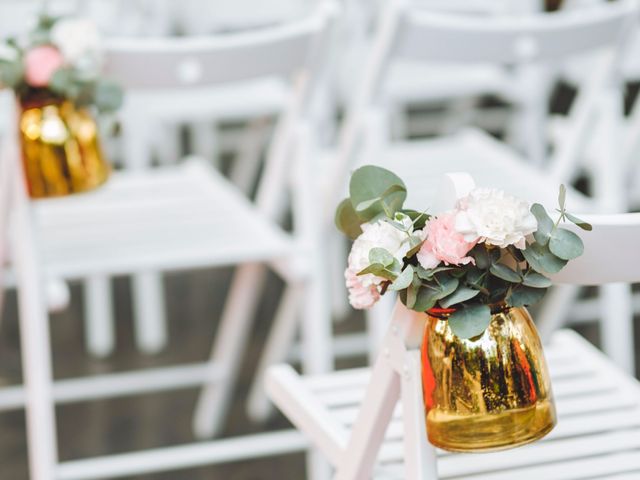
445,313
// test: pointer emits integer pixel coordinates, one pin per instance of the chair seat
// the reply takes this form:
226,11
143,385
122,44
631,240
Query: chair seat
164,219
597,436
491,163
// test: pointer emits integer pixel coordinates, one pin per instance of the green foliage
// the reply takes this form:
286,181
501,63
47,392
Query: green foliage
542,260
347,219
565,244
462,294
536,280
376,191
523,295
403,280
380,255
469,322
545,224
505,273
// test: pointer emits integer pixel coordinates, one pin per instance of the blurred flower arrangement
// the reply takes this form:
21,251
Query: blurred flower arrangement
61,58
490,252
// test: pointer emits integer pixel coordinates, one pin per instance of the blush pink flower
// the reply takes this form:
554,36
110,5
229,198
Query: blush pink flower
40,64
444,244
362,294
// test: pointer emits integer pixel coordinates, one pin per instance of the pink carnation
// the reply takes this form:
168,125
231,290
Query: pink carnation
40,65
362,294
444,243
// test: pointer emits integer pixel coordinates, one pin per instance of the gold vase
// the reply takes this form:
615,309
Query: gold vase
60,148
488,393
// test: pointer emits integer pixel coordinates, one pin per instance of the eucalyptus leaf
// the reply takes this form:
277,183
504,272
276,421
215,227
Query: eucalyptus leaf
505,273
380,255
108,96
536,280
565,244
410,295
61,81
362,206
545,224
562,195
578,222
462,294
403,280
347,220
541,259
523,295
369,183
380,271
470,321
446,286
419,219
482,256
426,298
415,242
11,73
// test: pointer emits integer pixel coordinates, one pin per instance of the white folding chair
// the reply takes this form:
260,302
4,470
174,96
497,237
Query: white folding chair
408,32
173,218
353,416
152,127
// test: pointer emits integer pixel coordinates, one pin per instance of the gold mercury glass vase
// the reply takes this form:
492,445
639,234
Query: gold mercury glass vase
60,148
487,393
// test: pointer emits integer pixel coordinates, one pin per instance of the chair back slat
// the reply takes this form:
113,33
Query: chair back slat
198,61
611,252
434,36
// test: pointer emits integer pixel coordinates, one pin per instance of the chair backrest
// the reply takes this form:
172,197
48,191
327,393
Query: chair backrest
611,252
407,31
433,36
175,62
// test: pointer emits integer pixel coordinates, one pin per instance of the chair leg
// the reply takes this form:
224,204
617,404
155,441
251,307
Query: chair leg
377,319
318,468
98,314
316,327
338,254
36,353
204,141
228,347
278,343
150,317
616,324
244,170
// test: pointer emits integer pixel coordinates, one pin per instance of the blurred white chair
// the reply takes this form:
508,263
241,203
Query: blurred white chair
456,89
152,127
173,218
353,416
408,32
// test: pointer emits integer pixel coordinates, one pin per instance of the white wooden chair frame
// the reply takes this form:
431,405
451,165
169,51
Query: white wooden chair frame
396,376
299,48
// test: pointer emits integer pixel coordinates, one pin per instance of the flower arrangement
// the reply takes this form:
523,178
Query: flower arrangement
491,251
59,58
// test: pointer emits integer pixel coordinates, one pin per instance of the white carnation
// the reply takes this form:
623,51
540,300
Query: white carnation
363,291
77,38
491,216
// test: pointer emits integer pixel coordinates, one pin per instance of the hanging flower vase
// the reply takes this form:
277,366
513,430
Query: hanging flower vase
489,392
60,148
